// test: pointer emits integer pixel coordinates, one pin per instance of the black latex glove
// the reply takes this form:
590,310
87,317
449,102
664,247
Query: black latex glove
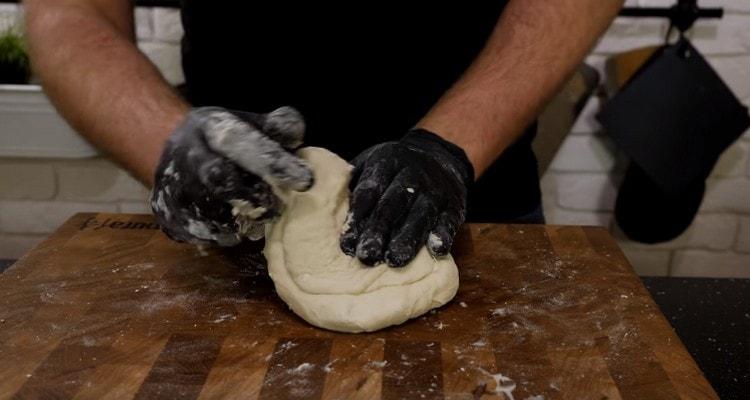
219,160
406,194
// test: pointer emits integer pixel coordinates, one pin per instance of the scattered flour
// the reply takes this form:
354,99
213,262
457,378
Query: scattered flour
224,317
286,346
378,364
302,368
503,384
501,311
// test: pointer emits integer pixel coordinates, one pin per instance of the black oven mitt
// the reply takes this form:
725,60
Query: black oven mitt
673,119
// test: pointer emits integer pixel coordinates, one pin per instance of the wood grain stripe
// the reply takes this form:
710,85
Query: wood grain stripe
63,372
581,369
607,248
43,251
182,367
635,370
666,347
413,370
466,367
19,362
355,369
518,339
124,372
581,373
238,371
296,369
522,358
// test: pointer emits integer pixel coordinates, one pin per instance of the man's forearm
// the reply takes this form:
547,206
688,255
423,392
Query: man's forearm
99,81
534,48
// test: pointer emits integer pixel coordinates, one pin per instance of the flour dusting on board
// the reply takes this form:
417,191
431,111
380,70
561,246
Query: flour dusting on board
160,302
329,367
300,381
224,317
378,364
302,368
501,311
503,384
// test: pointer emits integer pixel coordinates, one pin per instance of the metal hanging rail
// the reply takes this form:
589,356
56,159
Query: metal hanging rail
682,15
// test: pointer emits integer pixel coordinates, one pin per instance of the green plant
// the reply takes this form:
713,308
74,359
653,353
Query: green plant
14,60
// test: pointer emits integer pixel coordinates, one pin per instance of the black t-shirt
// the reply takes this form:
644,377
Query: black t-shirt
360,73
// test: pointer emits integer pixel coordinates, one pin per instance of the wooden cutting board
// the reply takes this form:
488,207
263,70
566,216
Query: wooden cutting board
108,307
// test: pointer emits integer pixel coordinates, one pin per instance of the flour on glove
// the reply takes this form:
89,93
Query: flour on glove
213,183
406,194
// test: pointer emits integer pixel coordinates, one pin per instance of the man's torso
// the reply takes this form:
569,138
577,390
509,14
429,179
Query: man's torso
361,74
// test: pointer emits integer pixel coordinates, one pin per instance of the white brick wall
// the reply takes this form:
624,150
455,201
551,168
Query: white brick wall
96,180
159,31
37,196
579,188
702,263
134,207
13,246
585,153
144,23
166,57
708,231
735,71
585,191
24,179
648,262
735,162
167,25
40,217
742,244
559,216
9,16
727,195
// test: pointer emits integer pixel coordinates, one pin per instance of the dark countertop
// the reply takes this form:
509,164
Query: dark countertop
711,316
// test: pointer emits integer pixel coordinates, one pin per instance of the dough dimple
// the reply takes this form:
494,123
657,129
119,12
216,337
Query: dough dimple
330,289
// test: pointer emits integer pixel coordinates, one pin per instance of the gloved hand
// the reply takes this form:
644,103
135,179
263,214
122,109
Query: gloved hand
218,163
404,194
